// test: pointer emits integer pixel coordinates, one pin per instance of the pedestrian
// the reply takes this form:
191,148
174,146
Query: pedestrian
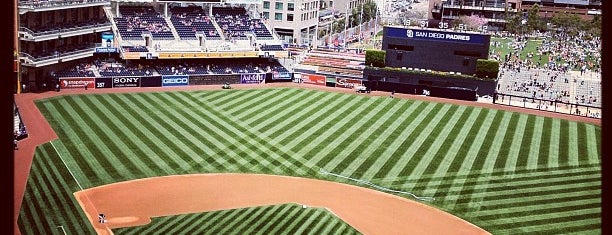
392,93
85,85
15,143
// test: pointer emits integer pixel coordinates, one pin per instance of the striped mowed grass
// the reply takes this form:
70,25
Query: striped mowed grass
509,173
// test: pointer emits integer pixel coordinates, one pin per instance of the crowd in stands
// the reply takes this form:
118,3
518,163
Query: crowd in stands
572,74
236,23
79,70
135,48
189,20
173,67
219,66
265,47
563,52
135,20
110,69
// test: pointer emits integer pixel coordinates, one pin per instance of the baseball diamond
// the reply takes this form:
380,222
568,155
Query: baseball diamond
505,172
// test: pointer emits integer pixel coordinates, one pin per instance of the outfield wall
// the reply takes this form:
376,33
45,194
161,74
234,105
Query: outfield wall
168,80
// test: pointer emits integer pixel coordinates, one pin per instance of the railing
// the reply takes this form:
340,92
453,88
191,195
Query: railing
548,105
63,30
55,3
58,55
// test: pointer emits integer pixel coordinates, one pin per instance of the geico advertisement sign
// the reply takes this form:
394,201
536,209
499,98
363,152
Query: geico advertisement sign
77,83
175,81
126,82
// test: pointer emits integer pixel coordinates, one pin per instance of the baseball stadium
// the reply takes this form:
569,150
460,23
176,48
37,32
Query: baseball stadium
210,117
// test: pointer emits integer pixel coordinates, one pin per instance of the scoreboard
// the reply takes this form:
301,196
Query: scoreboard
434,49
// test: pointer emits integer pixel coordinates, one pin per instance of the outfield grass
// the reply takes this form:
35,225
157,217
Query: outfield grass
509,173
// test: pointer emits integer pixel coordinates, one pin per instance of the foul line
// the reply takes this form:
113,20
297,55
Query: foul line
60,156
376,186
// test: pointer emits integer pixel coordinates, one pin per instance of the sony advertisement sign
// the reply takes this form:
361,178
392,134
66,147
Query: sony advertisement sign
175,80
126,82
436,35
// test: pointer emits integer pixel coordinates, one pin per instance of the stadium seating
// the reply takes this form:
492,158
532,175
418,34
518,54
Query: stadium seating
236,24
550,85
189,20
135,48
79,70
118,70
219,66
272,48
136,20
19,127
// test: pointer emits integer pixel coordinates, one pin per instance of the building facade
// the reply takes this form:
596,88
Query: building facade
298,21
55,34
494,11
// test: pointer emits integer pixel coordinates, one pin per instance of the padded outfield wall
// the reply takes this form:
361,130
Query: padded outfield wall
389,80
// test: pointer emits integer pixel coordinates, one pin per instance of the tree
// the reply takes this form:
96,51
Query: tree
533,19
473,22
595,26
513,22
339,25
369,12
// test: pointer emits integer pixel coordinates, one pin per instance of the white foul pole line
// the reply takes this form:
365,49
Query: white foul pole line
376,186
58,154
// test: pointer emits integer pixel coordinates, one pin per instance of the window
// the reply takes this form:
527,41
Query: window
278,16
266,15
278,6
266,5
289,17
331,4
290,6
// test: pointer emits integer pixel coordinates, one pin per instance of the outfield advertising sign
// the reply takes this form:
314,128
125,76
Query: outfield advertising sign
347,83
313,79
104,82
279,75
151,81
175,80
77,82
214,79
126,82
252,78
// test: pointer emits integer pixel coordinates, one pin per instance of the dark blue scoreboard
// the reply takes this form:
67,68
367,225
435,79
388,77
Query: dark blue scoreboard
438,50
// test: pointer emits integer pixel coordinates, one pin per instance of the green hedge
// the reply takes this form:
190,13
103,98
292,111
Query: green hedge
375,58
432,73
487,68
